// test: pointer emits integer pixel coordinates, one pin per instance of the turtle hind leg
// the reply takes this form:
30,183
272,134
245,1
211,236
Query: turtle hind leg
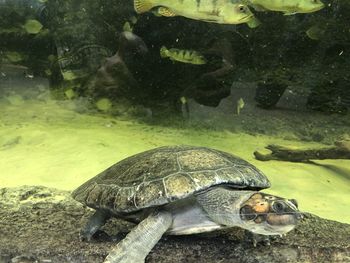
138,243
97,220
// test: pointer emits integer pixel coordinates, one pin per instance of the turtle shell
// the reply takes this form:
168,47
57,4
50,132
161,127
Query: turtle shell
166,174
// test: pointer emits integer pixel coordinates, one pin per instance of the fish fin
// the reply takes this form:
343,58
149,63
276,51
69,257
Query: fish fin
166,12
253,23
259,8
142,6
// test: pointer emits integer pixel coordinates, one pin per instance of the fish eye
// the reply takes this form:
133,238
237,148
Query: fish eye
241,8
278,207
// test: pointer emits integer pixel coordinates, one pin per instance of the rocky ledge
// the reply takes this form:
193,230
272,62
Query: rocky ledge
40,224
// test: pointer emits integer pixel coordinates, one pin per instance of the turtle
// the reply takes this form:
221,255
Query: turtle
181,190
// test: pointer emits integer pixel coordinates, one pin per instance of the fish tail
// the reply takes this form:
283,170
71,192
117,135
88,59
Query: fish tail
163,52
142,6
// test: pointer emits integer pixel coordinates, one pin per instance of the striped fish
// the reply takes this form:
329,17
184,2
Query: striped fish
184,56
215,11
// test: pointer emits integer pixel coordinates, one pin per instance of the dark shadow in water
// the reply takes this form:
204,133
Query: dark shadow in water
343,172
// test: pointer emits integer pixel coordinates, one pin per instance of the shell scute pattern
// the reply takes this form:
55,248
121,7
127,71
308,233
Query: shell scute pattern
124,200
179,185
203,178
94,193
195,160
155,166
150,194
165,174
230,175
108,196
253,177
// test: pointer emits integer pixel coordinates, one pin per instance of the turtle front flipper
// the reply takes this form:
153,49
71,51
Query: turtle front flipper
138,243
97,220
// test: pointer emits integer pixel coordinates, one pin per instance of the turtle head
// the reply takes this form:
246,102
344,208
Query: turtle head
269,215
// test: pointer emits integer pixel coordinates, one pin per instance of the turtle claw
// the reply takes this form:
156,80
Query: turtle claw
85,237
257,239
92,230
260,239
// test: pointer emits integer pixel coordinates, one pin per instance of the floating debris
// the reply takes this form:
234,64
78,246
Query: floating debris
29,75
185,109
240,105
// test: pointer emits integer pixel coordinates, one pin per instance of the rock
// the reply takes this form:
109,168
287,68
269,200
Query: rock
40,224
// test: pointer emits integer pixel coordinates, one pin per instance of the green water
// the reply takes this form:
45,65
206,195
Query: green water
44,143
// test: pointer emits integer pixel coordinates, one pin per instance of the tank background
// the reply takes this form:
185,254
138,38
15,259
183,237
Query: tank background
278,51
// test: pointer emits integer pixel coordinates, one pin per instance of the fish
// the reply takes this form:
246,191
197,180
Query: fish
240,105
214,11
32,26
288,7
183,55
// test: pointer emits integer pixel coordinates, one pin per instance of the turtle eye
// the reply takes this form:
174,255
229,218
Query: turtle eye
278,207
